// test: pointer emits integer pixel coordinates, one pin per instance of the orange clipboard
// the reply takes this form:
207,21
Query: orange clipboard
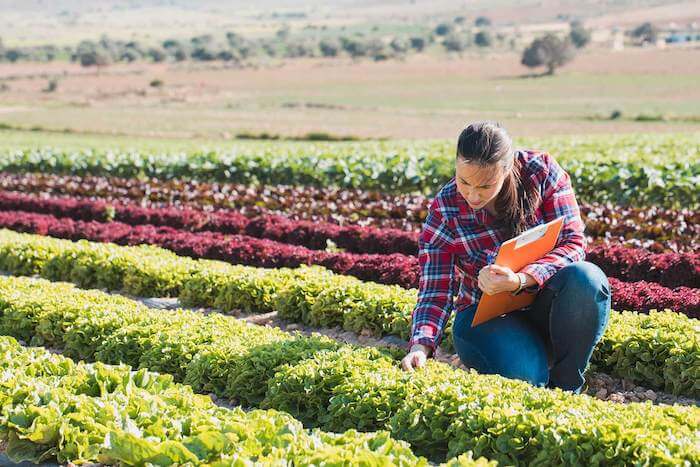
515,254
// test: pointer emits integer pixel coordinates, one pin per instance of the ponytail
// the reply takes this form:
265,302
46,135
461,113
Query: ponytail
516,202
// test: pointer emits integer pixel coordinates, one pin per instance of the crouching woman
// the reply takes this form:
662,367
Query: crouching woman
498,193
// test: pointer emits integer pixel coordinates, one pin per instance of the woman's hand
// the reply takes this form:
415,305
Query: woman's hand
494,279
416,357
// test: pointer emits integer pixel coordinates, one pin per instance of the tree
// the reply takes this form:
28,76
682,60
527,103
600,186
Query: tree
109,47
329,47
171,44
549,51
377,49
455,43
246,49
225,55
579,35
180,55
200,41
300,48
482,21
50,52
175,49
234,40
354,47
157,55
483,39
646,32
418,43
89,53
399,45
204,54
129,55
136,47
240,45
93,58
12,55
283,32
443,29
268,46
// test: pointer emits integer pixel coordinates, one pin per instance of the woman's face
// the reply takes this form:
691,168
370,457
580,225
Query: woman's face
479,184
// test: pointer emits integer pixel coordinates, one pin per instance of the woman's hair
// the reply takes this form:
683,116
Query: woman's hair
487,144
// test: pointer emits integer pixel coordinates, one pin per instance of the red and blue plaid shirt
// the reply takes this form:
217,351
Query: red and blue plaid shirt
457,241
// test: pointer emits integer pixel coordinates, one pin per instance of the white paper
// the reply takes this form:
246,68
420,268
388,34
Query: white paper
530,236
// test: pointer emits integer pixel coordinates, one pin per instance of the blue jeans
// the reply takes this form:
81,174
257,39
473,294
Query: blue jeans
548,343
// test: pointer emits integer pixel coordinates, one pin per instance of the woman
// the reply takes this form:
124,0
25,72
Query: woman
498,193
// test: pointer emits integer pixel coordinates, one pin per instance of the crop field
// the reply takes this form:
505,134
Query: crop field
210,216
249,304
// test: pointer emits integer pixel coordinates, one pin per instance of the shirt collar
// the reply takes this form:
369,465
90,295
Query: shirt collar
469,214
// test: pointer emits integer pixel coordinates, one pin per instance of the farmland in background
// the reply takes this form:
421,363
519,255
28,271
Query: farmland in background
422,95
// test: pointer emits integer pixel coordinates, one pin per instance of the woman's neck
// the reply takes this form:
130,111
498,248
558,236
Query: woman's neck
491,207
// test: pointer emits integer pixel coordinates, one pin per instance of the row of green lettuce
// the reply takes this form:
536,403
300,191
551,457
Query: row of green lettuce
441,411
624,172
660,350
643,147
54,408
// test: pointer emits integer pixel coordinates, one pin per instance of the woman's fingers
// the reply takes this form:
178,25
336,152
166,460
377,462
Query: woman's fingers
500,270
485,285
407,362
493,286
413,360
419,359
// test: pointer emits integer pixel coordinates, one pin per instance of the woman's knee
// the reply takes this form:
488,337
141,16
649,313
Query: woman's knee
584,281
518,355
585,275
584,297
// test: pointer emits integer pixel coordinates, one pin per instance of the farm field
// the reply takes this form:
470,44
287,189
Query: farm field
419,97
207,301
210,216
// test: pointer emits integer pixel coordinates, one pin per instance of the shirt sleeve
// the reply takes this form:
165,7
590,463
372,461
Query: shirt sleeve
559,200
436,256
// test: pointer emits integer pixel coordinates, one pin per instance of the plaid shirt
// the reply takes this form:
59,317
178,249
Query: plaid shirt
457,241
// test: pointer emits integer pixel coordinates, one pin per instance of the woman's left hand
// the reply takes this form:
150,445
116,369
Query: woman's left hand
494,279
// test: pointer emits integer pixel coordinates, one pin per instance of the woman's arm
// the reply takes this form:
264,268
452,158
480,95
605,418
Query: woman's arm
558,200
436,257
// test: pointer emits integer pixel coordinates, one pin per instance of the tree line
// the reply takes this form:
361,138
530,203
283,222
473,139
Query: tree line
549,51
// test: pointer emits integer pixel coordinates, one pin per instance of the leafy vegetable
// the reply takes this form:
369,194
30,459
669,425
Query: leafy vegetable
439,410
314,295
51,407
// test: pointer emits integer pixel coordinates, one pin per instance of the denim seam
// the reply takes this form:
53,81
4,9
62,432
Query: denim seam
555,293
608,300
